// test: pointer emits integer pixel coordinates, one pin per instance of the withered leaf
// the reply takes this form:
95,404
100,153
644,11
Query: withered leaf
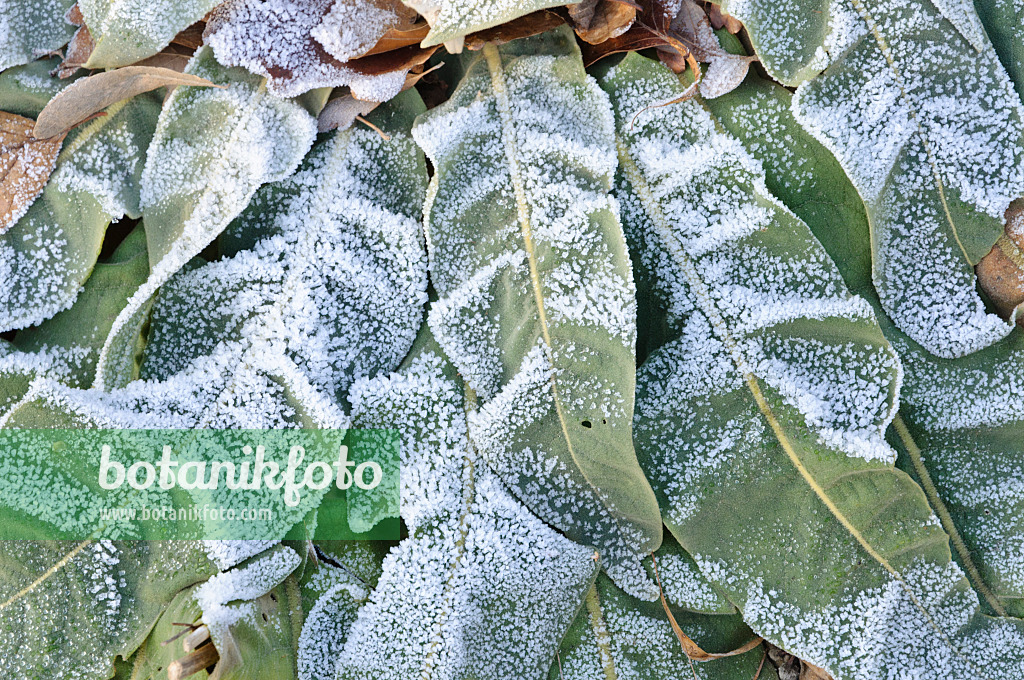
1001,272
721,20
680,30
25,164
79,49
523,27
396,38
90,95
596,21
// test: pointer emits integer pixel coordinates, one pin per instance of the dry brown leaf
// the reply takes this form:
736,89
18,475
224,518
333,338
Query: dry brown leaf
720,20
808,671
341,112
191,38
1001,272
692,650
25,164
523,27
596,21
87,96
396,38
79,49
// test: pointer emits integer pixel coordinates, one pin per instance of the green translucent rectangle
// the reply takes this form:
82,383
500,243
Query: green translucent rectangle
199,484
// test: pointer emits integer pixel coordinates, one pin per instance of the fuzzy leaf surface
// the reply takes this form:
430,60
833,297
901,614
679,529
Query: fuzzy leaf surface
128,31
213,148
536,304
481,588
762,424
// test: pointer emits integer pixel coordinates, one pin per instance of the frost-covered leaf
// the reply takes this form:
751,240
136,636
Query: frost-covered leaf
351,28
618,636
536,304
24,90
25,164
481,588
962,424
29,28
452,20
801,173
212,150
74,607
253,620
322,282
912,97
331,599
48,254
77,334
761,424
88,96
239,32
127,31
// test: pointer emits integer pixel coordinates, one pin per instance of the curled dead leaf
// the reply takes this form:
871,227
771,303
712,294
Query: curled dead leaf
533,23
1001,272
25,165
340,113
596,21
692,650
87,96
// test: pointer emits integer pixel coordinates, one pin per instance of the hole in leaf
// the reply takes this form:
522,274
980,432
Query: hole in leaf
265,617
587,424
273,596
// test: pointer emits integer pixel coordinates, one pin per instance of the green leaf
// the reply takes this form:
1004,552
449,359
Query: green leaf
761,425
801,173
940,394
31,28
618,637
481,588
212,150
912,96
25,90
1002,20
127,31
331,598
961,430
74,607
49,253
451,20
326,285
82,330
536,304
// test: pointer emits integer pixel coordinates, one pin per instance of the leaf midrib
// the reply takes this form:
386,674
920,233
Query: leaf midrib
883,46
497,74
703,297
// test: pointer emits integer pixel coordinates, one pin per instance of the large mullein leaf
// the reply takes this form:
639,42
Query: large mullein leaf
79,333
49,253
536,294
452,20
952,410
910,96
761,424
801,173
74,607
25,90
29,28
1002,20
618,637
325,284
127,31
960,426
481,588
212,150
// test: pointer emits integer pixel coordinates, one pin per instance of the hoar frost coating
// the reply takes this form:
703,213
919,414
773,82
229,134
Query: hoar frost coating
536,300
481,588
275,38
